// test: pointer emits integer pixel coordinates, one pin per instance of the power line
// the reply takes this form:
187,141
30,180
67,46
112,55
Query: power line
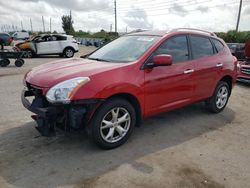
168,6
193,10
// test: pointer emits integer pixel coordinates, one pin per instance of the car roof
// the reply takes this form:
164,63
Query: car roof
4,33
177,30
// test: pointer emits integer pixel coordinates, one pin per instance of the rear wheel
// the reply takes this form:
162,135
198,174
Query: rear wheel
112,124
219,100
68,52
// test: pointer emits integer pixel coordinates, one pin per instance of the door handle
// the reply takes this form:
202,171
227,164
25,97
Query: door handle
188,71
219,65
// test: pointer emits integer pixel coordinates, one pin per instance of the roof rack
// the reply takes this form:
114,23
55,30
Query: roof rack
191,29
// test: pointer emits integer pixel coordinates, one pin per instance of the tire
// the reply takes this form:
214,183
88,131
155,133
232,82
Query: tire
219,100
5,62
19,62
105,130
68,52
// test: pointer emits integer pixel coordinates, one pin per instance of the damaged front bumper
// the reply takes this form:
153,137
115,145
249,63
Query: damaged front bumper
49,117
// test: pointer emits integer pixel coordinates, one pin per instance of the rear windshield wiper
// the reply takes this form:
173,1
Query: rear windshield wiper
98,59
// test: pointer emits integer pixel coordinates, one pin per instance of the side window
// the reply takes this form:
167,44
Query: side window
201,47
218,45
177,47
58,37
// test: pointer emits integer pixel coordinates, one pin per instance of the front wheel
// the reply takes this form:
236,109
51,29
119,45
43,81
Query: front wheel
219,100
112,124
28,54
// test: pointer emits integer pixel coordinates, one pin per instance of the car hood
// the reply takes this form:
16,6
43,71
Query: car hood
49,74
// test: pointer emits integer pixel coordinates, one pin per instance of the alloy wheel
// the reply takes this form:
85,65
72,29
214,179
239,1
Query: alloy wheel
222,97
69,53
115,125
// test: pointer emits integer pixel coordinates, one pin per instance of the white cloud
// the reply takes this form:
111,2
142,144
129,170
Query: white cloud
93,15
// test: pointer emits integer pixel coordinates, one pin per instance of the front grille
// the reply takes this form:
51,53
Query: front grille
245,70
36,91
39,99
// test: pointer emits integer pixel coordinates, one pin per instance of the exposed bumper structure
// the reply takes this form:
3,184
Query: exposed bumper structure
49,117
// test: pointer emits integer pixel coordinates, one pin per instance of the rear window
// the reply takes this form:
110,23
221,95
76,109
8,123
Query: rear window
4,34
218,45
201,46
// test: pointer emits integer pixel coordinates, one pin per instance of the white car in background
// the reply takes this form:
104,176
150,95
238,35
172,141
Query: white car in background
19,35
49,44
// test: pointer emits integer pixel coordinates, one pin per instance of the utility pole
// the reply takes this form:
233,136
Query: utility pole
70,20
31,25
22,25
115,16
43,25
238,19
50,25
110,27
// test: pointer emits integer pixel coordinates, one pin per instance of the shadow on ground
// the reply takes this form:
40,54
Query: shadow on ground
28,160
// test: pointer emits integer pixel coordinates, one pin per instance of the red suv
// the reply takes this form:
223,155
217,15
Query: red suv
138,75
244,66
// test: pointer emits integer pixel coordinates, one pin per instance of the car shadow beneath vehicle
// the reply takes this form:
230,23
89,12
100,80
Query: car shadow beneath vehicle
28,159
243,84
48,56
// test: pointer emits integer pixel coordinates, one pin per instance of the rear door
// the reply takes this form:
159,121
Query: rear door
168,87
207,64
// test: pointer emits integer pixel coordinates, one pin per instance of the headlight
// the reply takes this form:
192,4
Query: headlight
24,78
238,66
64,91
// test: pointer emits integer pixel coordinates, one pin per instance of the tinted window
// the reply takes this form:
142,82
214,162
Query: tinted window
218,45
177,47
58,37
201,47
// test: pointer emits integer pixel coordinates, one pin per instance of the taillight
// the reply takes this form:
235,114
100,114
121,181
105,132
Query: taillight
10,40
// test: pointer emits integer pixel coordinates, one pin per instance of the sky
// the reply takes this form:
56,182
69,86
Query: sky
94,15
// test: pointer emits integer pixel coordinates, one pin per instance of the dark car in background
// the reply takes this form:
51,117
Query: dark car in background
243,67
238,50
5,39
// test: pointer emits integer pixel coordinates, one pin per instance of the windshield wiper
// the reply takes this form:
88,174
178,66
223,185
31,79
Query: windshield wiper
98,59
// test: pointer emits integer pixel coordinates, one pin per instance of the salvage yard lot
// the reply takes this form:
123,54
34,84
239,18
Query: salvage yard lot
188,147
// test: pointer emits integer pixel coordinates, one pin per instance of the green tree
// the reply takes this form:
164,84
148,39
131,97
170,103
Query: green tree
67,24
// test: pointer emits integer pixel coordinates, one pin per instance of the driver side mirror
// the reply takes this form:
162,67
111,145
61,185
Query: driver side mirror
162,60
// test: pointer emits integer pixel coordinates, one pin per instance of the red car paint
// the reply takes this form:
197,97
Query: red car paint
244,66
157,90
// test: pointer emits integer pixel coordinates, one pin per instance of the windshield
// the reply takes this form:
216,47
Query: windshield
124,49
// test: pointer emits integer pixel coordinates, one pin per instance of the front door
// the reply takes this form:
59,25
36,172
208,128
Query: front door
169,87
45,45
